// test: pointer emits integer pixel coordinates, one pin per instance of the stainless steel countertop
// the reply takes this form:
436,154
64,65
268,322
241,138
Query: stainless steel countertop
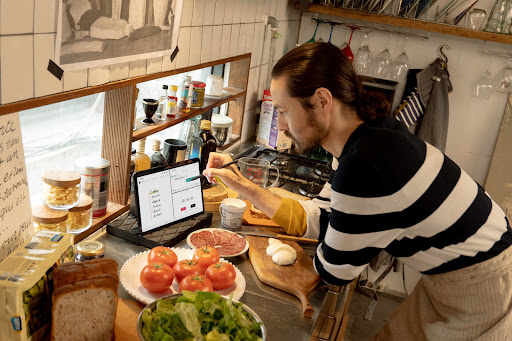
281,312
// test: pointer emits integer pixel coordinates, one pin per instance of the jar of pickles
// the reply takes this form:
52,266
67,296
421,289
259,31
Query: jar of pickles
60,188
47,219
89,249
80,216
198,94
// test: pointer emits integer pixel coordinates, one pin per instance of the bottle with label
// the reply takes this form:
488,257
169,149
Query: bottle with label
202,145
161,111
142,161
172,102
186,90
157,158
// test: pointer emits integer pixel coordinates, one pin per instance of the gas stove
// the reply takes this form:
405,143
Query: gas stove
300,174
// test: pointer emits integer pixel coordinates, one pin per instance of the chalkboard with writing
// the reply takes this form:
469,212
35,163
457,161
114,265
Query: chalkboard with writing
15,211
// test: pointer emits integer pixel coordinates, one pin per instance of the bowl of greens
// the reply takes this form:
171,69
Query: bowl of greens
199,315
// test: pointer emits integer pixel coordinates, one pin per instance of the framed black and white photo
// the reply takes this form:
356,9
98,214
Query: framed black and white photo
92,33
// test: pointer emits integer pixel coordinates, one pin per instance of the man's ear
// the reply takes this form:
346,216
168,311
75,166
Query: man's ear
323,99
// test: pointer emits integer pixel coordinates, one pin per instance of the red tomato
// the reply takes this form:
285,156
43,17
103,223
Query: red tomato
186,267
156,277
196,282
206,256
162,254
222,275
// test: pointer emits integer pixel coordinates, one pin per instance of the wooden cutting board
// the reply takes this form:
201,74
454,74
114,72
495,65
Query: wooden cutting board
297,279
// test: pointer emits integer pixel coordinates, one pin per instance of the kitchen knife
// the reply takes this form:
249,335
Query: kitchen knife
279,236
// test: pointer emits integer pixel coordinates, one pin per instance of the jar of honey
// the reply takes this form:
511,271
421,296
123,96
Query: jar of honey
198,94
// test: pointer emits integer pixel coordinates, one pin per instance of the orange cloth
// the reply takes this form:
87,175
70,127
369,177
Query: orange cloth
292,217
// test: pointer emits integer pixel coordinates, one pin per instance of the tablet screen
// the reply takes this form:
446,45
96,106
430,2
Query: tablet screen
164,196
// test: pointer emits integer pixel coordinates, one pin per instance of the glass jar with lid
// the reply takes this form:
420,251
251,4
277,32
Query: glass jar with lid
46,218
198,94
89,249
60,188
80,216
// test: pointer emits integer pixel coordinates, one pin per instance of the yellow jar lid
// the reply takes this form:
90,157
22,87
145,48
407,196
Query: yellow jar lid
90,248
45,215
205,124
61,177
84,203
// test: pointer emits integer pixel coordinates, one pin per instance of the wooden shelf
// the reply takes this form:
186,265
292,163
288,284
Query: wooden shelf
113,211
143,130
408,23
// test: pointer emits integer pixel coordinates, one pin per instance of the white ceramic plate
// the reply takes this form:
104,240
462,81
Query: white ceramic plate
189,242
129,277
224,94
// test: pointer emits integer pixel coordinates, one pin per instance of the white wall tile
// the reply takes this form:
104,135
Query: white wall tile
249,98
262,81
233,46
280,43
209,12
266,44
225,50
45,16
246,8
260,13
76,79
186,13
249,124
17,76
184,45
250,38
167,65
237,11
242,40
266,7
45,82
16,16
99,75
273,8
253,6
293,14
120,71
256,86
293,33
206,46
220,9
216,42
154,65
282,7
198,12
257,45
138,67
228,11
195,50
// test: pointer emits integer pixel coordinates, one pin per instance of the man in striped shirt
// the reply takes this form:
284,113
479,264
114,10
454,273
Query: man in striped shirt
391,191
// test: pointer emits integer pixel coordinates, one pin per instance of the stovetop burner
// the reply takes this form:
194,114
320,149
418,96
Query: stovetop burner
280,162
320,174
310,190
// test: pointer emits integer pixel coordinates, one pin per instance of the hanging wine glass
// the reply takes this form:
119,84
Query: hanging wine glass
312,40
347,51
484,86
382,62
504,78
400,65
345,44
363,57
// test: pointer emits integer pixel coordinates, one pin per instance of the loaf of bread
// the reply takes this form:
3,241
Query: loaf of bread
85,301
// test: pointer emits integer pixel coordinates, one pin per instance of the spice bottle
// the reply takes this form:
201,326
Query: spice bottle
161,111
186,90
49,219
202,145
157,159
172,102
142,161
80,216
89,249
95,175
60,188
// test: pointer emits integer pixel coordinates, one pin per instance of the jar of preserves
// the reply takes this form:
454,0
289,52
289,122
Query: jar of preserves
89,249
80,216
198,94
46,218
60,188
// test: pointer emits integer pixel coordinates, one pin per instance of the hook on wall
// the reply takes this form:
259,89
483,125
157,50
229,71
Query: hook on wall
441,54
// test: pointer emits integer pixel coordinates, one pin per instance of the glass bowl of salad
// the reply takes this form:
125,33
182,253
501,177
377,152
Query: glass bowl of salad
199,315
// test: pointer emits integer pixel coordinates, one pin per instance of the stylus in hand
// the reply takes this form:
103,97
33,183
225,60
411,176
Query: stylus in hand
201,176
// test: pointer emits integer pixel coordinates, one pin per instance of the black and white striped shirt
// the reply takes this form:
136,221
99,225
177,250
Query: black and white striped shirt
394,192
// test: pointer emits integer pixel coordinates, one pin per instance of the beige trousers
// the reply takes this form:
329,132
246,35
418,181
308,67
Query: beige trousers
474,303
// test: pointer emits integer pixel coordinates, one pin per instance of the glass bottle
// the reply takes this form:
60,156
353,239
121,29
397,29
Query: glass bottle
186,94
172,102
157,158
142,161
202,145
161,111
496,20
188,130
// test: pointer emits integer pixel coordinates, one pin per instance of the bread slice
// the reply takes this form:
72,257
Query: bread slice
69,273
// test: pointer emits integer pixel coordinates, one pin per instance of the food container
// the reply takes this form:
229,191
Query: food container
95,173
152,306
89,249
198,94
80,216
220,128
46,218
60,188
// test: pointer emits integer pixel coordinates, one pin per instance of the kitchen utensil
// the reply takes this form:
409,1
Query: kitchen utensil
129,277
200,176
363,57
476,18
214,85
231,212
257,171
400,65
279,236
174,150
297,279
149,105
220,128
174,296
484,86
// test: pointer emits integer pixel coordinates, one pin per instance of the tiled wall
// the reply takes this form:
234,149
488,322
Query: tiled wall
474,124
210,30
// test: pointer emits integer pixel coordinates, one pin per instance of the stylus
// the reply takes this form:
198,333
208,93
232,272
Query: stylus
200,176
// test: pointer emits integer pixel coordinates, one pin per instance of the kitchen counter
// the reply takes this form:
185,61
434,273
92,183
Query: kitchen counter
281,312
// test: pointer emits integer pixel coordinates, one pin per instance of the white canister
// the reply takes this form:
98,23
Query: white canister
94,172
231,212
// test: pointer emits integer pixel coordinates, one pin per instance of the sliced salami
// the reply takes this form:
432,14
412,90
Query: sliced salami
226,242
